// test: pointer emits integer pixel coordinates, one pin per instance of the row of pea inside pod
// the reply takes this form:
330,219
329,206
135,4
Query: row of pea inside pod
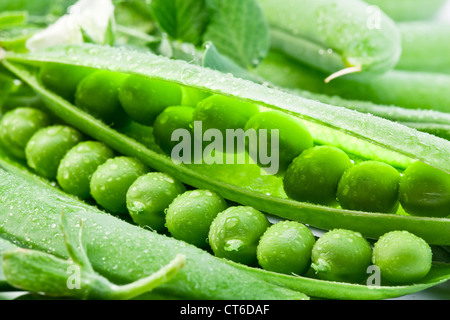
193,126
242,234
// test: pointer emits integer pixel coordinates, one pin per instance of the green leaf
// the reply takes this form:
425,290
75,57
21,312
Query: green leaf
183,20
239,30
12,18
214,60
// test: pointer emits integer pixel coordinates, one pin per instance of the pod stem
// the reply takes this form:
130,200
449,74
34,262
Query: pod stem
343,72
141,286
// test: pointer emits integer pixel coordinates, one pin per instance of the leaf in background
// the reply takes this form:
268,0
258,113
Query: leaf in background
239,30
214,60
183,20
12,18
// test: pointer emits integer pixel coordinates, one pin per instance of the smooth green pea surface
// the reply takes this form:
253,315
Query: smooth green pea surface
192,96
98,94
143,99
78,165
293,136
18,126
341,255
222,113
149,196
63,79
111,181
171,119
47,147
425,191
370,186
235,233
190,216
286,247
402,257
314,175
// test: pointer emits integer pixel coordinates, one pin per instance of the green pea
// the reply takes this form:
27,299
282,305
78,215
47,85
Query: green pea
341,255
235,234
98,94
425,191
47,147
171,119
286,247
293,136
314,175
63,79
222,113
110,182
149,196
190,215
370,186
143,99
79,164
18,126
192,96
402,257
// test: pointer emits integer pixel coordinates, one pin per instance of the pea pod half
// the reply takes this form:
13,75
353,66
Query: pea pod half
358,134
334,35
125,253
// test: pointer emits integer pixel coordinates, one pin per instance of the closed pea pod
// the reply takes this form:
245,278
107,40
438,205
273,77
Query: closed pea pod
425,191
402,257
149,196
235,234
333,35
314,175
191,214
407,10
341,255
18,126
286,247
110,182
370,186
78,165
47,147
425,46
144,99
98,94
402,88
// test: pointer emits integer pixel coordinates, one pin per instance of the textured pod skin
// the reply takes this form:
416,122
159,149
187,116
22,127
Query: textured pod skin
407,10
349,28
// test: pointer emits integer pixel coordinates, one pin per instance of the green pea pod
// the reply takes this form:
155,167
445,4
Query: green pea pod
409,10
4,246
425,47
124,253
359,134
40,272
401,88
334,36
282,72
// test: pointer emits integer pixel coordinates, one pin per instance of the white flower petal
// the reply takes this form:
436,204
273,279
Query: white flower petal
64,31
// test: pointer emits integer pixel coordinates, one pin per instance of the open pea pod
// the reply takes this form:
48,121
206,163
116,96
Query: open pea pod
360,135
123,252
